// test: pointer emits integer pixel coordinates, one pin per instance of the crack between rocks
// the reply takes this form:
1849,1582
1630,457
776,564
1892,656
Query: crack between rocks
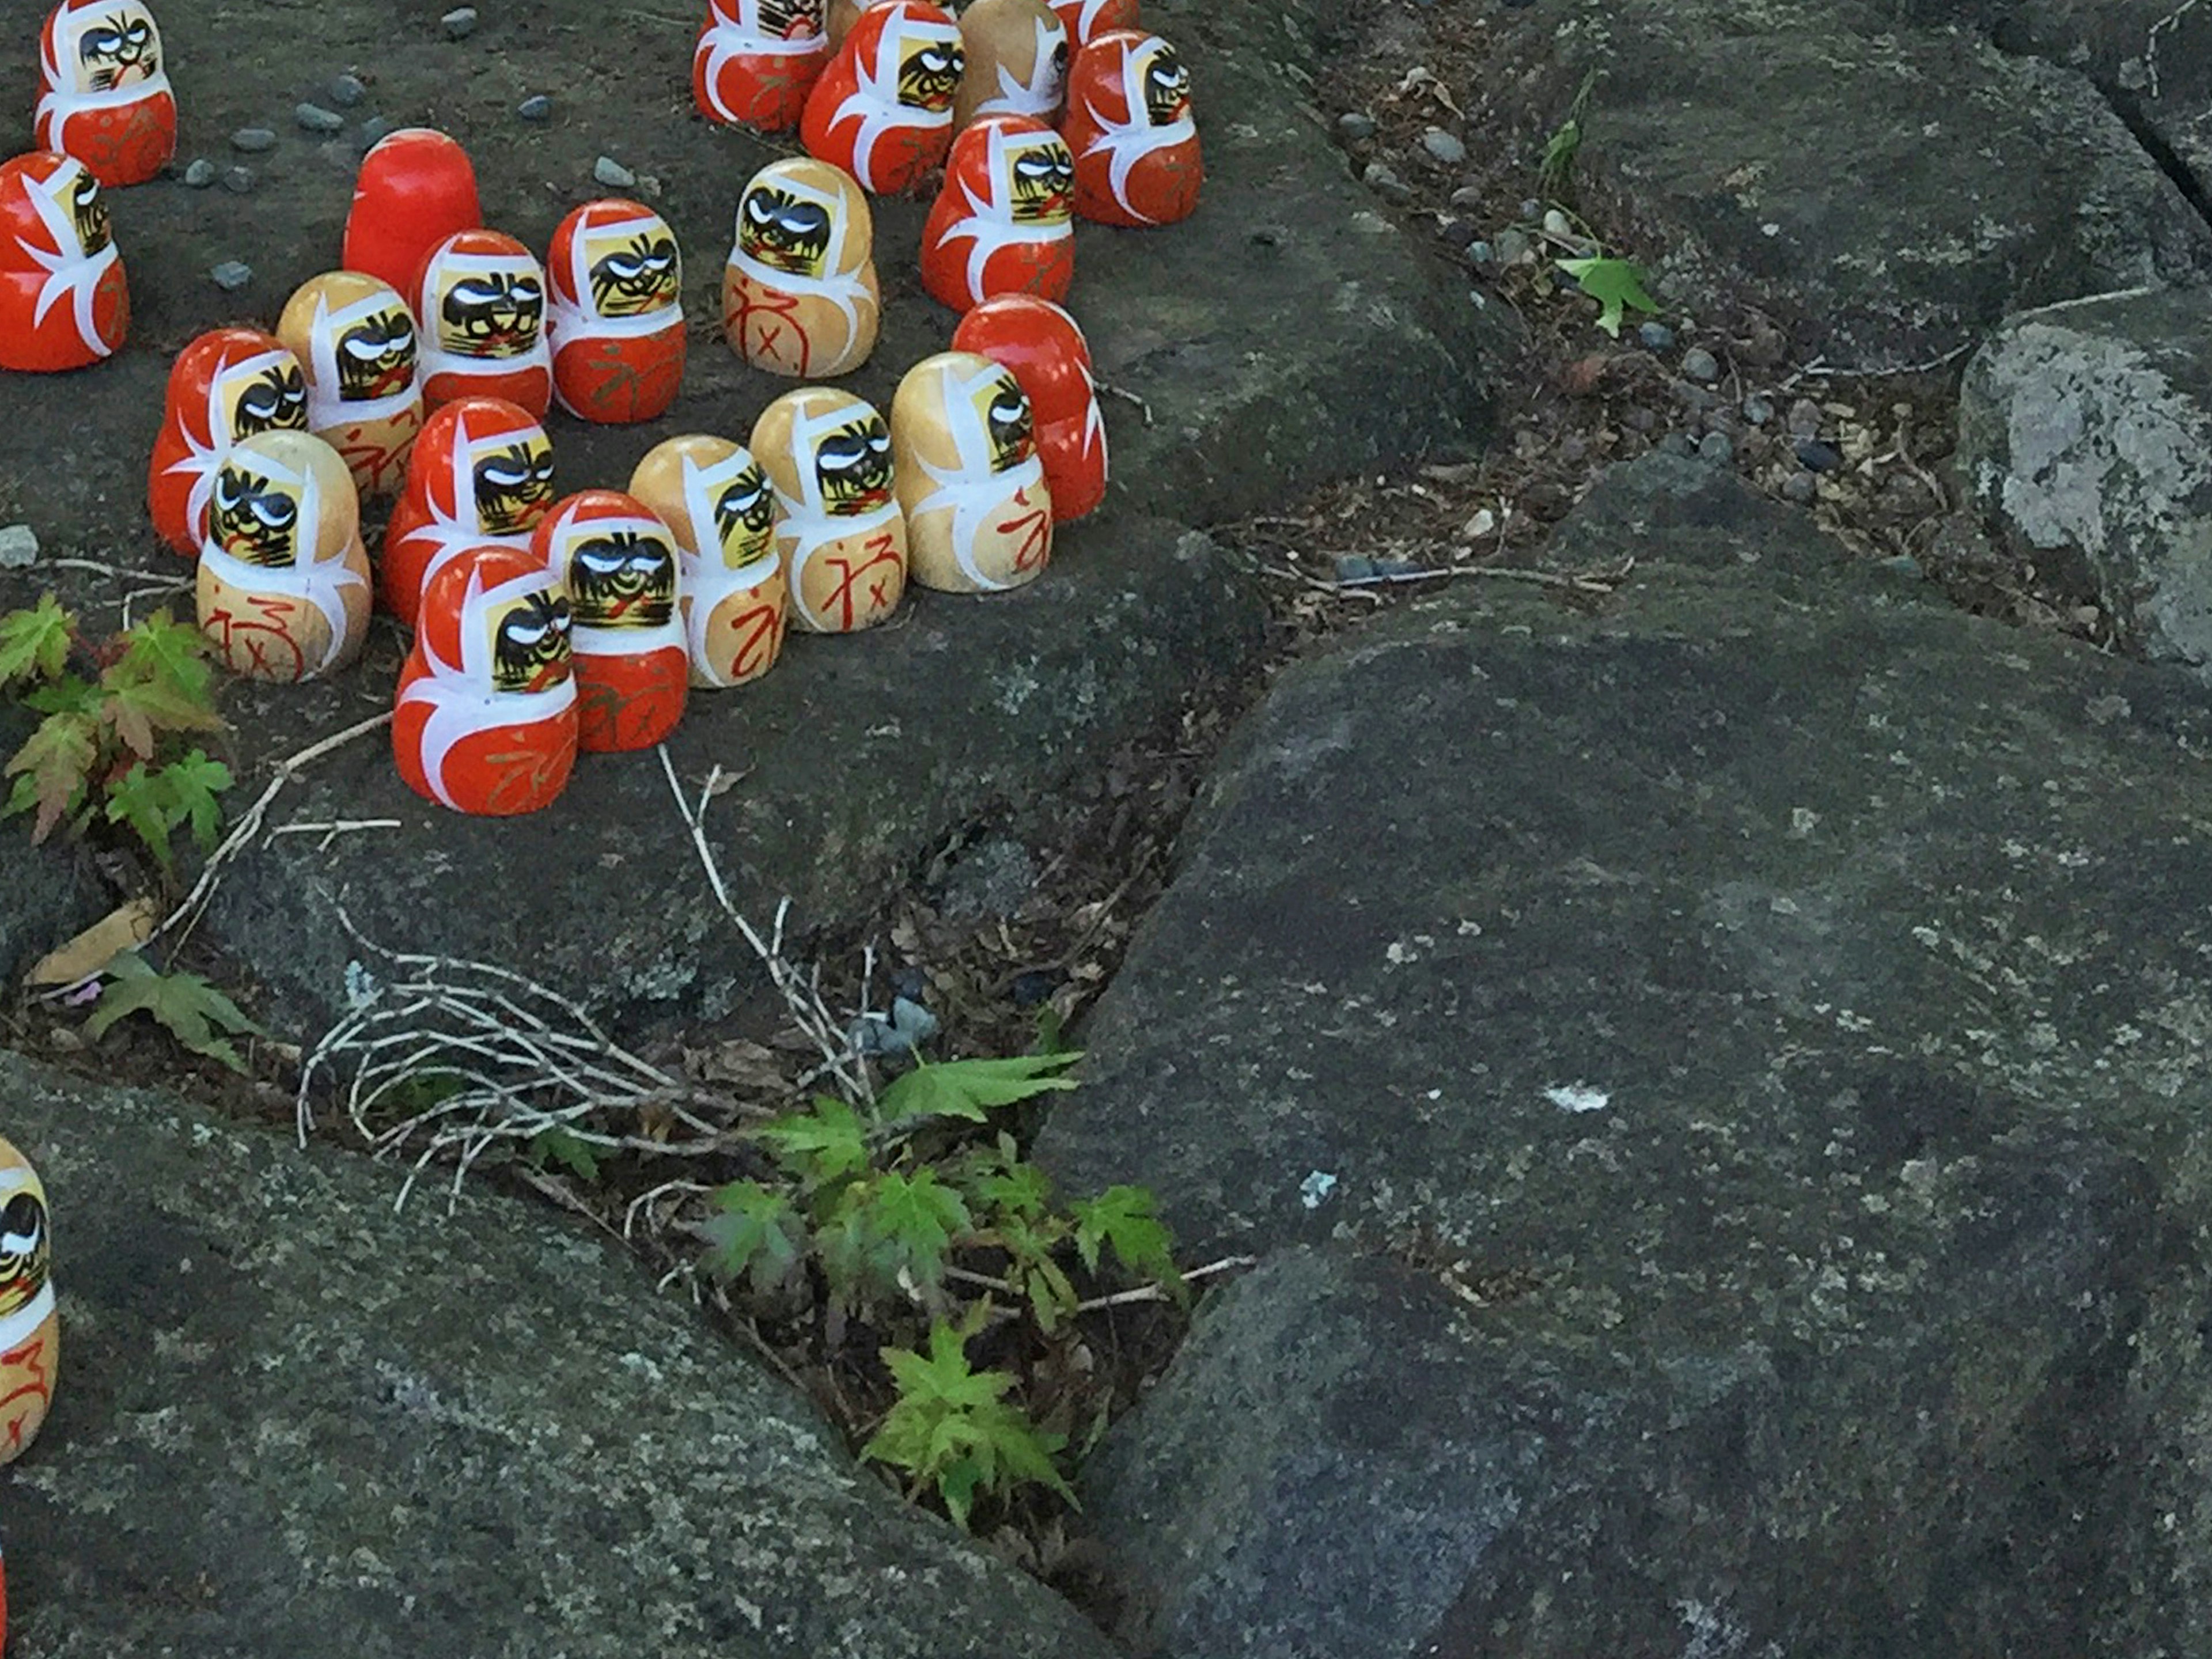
2130,109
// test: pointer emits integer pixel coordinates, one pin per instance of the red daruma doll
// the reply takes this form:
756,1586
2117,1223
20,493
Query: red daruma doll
713,495
480,298
30,1330
755,60
485,718
1003,223
415,189
1086,20
883,110
1129,124
228,384
843,540
64,303
103,94
620,566
482,471
1048,354
616,322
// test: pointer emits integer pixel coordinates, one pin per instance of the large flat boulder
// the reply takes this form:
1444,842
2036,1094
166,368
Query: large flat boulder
1892,192
2085,442
289,1420
1710,1082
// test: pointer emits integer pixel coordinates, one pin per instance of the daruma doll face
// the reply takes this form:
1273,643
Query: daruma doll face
29,1331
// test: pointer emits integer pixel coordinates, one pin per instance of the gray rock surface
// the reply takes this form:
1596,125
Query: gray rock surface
2086,441
1709,1081
1743,136
290,1422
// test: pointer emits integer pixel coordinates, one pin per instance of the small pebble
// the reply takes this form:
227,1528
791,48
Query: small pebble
1457,233
1480,253
1386,183
1805,417
1758,410
1677,443
613,174
913,1022
459,23
1555,223
1715,447
201,174
254,140
1571,449
1531,207
1701,366
19,546
237,180
1655,336
374,130
1467,199
232,275
1355,126
536,107
1443,148
1818,456
313,118
1513,246
347,90
1800,487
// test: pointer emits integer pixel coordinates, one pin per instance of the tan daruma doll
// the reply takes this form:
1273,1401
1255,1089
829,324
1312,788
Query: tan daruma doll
30,1331
717,501
356,338
827,456
283,578
978,513
798,293
1016,62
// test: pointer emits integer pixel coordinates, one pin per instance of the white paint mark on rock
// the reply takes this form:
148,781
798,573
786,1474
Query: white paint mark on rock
1578,1096
1315,1187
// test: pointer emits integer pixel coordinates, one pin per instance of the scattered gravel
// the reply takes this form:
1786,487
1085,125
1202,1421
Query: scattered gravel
373,130
1717,447
613,174
1443,148
1701,366
1513,246
1480,252
1654,337
19,546
201,174
1805,418
1384,181
237,180
1758,410
232,275
1800,487
313,118
347,90
1819,457
459,23
1355,127
1468,199
252,141
536,107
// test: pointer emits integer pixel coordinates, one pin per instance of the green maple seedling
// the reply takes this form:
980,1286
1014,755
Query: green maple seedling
198,1015
1617,285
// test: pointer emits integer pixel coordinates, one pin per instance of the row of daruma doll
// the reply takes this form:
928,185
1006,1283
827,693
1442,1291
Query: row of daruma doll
880,89
542,625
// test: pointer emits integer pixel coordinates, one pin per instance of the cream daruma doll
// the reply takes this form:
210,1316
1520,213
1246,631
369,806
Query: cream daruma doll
978,513
799,292
717,501
30,1331
284,579
356,339
827,456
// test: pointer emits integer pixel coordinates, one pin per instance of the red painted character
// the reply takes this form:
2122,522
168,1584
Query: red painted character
621,567
713,495
481,471
883,110
104,96
356,338
227,384
978,511
755,61
799,296
842,539
1003,222
480,298
1129,123
1086,20
30,1325
283,581
415,189
615,326
484,721
63,302
1050,356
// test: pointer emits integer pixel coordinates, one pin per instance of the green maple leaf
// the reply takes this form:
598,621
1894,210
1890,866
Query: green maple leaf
197,1014
571,1151
67,694
753,1229
822,1145
1122,1218
1000,1179
951,1427
971,1088
1041,1279
174,654
1615,284
143,801
34,644
196,781
51,768
910,1222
